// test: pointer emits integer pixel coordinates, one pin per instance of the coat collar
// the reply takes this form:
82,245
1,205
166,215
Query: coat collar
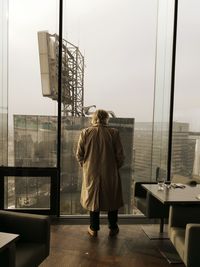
99,124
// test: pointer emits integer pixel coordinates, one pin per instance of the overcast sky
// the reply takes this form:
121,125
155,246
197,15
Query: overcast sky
118,40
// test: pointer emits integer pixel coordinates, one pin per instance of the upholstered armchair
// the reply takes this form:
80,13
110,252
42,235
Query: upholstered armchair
184,232
34,237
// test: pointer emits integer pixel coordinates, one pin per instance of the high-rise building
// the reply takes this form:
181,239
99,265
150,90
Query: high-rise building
183,150
142,151
195,139
146,162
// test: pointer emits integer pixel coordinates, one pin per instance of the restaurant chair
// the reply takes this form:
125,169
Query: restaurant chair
184,232
152,209
34,237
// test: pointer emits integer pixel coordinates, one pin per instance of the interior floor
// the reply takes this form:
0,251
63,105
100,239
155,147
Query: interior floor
71,246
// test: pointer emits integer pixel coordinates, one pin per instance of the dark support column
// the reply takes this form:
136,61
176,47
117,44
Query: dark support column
59,101
172,92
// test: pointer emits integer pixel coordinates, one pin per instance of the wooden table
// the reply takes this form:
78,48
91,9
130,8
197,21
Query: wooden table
7,242
170,196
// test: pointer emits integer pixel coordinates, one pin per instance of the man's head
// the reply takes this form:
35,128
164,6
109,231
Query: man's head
100,116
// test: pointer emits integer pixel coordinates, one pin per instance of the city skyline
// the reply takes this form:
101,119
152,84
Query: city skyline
35,146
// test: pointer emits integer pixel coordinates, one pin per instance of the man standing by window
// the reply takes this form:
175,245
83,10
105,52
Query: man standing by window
100,153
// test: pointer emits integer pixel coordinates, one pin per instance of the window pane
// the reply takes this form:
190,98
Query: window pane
186,128
118,50
3,83
32,77
27,193
29,73
162,87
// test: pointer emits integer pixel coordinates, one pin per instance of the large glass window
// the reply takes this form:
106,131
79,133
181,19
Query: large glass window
111,44
32,50
3,83
162,87
31,66
116,55
186,125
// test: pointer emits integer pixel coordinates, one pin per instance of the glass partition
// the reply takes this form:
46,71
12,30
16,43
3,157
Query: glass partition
165,27
109,59
32,76
3,83
186,127
32,57
118,61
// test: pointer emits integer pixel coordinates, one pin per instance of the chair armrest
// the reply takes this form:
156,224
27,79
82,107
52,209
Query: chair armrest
180,215
192,240
30,227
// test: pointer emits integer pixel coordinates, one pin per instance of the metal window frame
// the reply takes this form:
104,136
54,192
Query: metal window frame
59,101
171,108
53,173
33,172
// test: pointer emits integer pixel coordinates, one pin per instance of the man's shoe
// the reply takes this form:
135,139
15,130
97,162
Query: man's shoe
92,232
114,232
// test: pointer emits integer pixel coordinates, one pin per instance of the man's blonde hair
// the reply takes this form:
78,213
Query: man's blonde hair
100,116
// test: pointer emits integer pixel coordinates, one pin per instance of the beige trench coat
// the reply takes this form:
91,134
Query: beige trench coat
100,153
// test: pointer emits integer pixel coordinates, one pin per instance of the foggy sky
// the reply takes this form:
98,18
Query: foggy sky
118,40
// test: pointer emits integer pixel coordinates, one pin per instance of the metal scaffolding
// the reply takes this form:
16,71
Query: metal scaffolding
72,80
72,73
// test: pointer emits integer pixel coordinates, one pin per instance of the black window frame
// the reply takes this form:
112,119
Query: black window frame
33,172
